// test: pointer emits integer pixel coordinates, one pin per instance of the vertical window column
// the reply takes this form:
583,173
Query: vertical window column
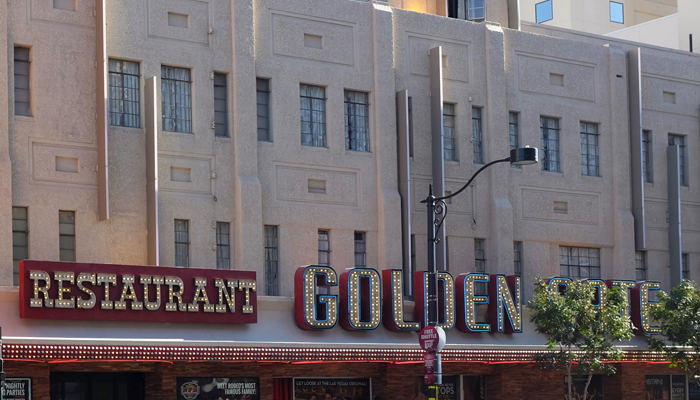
685,266
124,93
679,140
514,134
313,115
589,150
324,248
20,240
271,261
23,95
176,93
223,246
449,139
647,170
66,235
477,135
641,265
220,105
480,263
263,99
410,126
356,120
182,243
360,249
550,144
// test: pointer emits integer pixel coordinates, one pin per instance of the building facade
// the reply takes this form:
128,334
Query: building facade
265,135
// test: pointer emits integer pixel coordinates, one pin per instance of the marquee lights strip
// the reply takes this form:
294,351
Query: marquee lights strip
88,353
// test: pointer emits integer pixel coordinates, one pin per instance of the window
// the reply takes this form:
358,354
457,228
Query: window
20,239
514,134
220,105
679,140
550,144
647,170
447,253
480,263
477,133
589,150
124,93
667,387
176,99
66,235
23,94
182,243
543,11
313,116
97,385
356,120
449,138
263,96
475,9
641,265
685,266
272,285
579,262
360,249
410,126
518,258
223,246
324,248
617,12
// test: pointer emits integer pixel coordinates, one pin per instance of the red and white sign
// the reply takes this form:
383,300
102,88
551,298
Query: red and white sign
110,292
432,338
429,368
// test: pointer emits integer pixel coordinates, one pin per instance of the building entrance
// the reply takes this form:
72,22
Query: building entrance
97,386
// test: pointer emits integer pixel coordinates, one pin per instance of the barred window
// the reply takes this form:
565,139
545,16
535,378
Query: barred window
23,94
589,149
647,164
514,134
641,265
124,93
356,121
324,248
360,249
550,144
477,135
223,246
475,9
410,126
518,258
685,266
66,235
182,243
20,239
480,263
271,261
408,289
679,140
176,93
313,115
263,98
449,138
579,262
220,105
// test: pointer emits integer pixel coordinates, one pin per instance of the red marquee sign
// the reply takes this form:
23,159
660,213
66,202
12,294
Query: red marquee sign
110,292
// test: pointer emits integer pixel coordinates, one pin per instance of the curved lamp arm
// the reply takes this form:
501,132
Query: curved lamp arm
507,159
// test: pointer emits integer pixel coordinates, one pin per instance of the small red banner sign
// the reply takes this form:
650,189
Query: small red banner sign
110,292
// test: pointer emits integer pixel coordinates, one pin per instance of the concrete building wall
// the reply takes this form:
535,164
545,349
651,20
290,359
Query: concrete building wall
368,47
657,32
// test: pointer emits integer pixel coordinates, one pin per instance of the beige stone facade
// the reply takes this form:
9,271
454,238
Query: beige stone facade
367,47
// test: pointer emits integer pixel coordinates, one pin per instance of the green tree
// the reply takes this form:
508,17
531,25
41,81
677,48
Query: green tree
580,337
678,316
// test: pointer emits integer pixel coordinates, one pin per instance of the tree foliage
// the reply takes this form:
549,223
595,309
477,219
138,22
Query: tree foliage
678,316
580,337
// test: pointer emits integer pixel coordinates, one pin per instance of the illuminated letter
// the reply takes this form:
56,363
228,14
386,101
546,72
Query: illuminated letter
312,310
392,281
128,293
600,288
624,287
248,285
200,294
107,279
91,279
445,292
224,294
508,299
37,276
641,307
466,306
558,285
61,277
360,296
170,305
146,280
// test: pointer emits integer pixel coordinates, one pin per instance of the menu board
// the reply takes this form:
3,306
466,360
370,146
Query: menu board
218,389
332,389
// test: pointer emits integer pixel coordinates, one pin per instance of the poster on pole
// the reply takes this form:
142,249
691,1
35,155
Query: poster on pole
218,388
332,389
17,389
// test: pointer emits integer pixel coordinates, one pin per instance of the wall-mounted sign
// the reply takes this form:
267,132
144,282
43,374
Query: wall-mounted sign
109,292
332,388
218,388
17,389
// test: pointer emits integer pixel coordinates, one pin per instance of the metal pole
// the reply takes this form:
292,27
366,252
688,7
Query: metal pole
432,275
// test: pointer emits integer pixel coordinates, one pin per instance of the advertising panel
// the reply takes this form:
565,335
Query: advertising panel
17,389
448,390
658,387
218,388
332,389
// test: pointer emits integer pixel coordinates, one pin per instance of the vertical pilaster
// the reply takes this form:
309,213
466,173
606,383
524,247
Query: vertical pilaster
5,163
635,94
436,125
151,100
675,249
101,107
405,184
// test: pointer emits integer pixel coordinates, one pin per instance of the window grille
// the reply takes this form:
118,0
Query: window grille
356,121
66,235
313,116
641,265
589,150
20,239
579,262
124,93
176,93
480,263
271,261
220,105
223,246
514,134
477,135
518,258
685,266
324,248
679,140
182,243
23,95
449,138
263,99
360,249
410,126
550,144
647,169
